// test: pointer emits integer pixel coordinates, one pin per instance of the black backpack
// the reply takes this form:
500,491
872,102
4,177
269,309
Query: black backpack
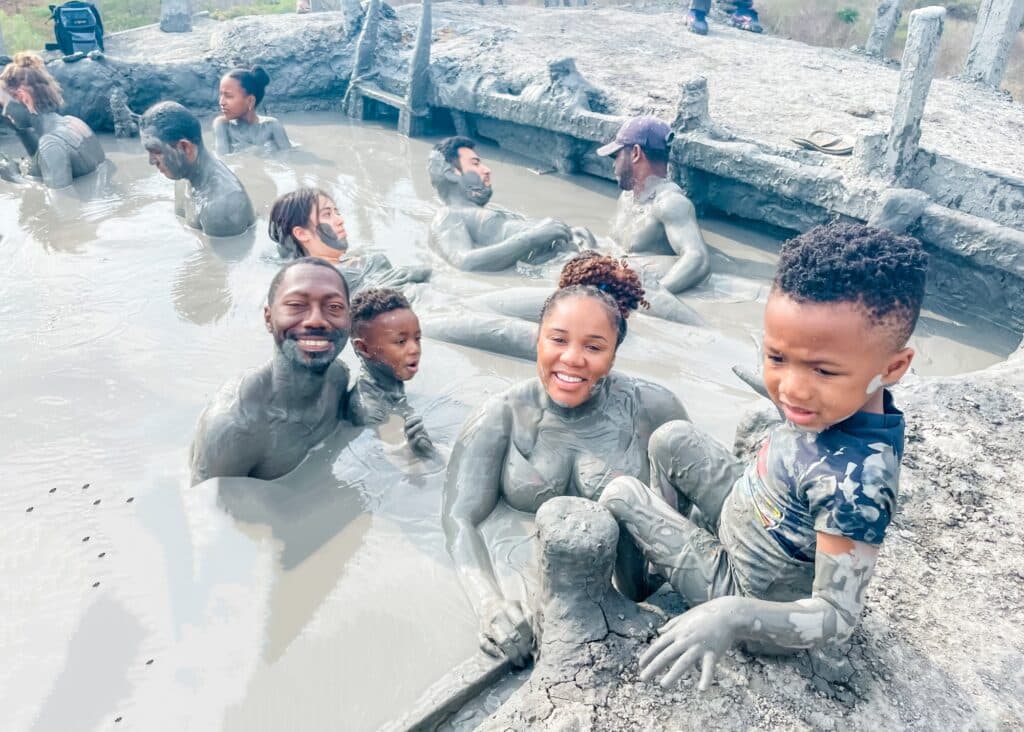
78,27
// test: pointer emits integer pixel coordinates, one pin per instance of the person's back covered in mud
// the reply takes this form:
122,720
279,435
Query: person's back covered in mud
238,126
60,147
778,553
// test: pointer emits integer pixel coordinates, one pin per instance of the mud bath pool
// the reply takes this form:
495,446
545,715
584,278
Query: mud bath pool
332,605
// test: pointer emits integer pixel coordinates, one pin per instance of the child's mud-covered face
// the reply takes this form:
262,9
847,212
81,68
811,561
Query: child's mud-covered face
825,361
392,339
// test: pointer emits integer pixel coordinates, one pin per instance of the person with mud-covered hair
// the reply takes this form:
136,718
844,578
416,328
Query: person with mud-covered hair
306,223
387,338
263,424
777,554
238,126
568,431
472,234
60,147
655,223
206,193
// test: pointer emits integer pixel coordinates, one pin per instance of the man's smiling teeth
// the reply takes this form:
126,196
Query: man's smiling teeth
567,378
313,342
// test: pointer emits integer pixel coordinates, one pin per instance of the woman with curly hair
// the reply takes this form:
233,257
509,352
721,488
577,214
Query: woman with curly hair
60,147
568,431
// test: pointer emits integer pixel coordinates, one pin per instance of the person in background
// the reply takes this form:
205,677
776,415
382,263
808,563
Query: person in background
238,126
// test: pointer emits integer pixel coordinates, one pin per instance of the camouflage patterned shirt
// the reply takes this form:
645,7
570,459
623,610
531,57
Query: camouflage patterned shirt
841,481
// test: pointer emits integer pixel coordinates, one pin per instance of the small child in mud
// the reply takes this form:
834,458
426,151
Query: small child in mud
386,336
777,554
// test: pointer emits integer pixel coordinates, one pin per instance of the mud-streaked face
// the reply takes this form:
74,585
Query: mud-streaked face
324,236
623,168
309,317
823,362
171,160
575,349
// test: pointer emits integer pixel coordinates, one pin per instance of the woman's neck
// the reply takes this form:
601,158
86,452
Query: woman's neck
593,405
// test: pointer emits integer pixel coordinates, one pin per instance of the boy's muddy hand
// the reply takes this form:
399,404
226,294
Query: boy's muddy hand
702,634
417,437
505,630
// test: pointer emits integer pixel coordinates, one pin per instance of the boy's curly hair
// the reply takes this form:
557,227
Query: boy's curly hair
839,262
607,279
368,304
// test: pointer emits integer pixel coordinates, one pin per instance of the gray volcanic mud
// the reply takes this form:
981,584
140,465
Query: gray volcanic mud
331,603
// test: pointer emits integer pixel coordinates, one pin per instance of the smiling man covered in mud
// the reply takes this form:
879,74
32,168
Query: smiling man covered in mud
778,555
263,424
206,193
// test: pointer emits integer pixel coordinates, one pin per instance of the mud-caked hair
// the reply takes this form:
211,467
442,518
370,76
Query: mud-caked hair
253,81
172,123
290,210
369,304
314,261
450,146
881,271
610,281
28,70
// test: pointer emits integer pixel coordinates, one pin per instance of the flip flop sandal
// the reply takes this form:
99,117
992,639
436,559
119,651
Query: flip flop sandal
824,142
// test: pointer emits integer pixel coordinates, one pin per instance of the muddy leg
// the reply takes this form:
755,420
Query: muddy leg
690,469
690,557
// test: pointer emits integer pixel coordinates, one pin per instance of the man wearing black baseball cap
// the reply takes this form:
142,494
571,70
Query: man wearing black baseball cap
654,216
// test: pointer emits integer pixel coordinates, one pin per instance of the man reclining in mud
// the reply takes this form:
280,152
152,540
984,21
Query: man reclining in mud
474,236
653,215
778,554
206,193
263,424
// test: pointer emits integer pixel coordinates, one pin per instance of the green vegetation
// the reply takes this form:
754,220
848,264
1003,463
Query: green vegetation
27,27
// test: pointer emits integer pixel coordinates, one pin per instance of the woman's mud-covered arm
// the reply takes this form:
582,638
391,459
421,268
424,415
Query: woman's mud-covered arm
278,135
842,570
472,489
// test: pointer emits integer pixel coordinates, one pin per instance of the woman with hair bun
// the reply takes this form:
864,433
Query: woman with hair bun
60,147
568,431
238,126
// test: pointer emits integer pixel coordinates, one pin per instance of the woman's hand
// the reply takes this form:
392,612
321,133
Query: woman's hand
703,634
505,630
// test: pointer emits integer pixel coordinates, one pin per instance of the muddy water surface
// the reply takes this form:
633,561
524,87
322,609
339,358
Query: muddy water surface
326,604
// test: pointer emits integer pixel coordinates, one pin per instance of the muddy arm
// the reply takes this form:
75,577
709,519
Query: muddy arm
679,218
457,247
472,489
842,570
229,215
278,135
223,448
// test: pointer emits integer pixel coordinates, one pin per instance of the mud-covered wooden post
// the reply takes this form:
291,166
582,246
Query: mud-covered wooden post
176,16
366,51
887,18
918,68
691,115
412,120
994,34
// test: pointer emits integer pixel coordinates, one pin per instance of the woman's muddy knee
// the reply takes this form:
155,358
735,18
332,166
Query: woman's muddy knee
622,493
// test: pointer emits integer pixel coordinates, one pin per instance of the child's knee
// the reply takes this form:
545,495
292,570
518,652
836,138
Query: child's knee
677,442
622,493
